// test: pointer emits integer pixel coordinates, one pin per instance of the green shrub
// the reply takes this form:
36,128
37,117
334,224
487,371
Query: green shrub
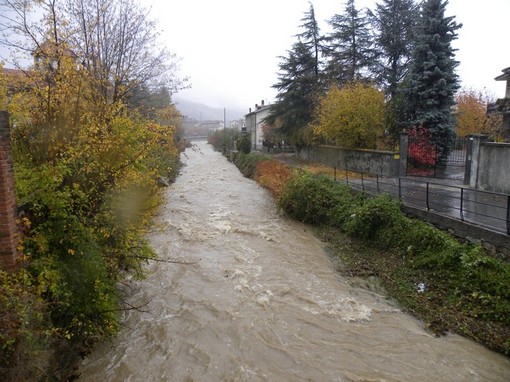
423,238
243,144
317,199
23,337
224,140
431,248
345,202
377,218
247,163
486,281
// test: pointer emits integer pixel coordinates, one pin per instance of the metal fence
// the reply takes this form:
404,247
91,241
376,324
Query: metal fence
490,210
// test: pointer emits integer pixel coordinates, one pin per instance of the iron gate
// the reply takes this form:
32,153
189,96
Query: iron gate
426,158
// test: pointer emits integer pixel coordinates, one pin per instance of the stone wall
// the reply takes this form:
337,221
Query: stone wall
367,161
9,234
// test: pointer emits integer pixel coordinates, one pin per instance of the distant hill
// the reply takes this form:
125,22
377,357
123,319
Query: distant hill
201,112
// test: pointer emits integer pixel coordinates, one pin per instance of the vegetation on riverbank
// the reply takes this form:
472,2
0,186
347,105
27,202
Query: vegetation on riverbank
450,285
94,136
88,172
85,210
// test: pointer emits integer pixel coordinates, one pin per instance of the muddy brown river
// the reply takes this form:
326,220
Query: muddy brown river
261,301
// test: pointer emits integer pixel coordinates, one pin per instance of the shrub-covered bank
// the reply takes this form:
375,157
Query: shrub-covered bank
451,286
87,182
84,222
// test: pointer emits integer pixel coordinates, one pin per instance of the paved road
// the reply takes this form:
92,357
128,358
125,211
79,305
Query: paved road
444,196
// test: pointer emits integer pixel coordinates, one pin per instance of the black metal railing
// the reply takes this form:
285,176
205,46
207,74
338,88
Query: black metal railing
490,210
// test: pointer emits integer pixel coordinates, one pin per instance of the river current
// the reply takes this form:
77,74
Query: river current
259,300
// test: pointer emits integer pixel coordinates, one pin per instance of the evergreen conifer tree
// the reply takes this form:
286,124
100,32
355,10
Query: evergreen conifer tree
349,46
395,21
296,87
311,36
432,83
298,81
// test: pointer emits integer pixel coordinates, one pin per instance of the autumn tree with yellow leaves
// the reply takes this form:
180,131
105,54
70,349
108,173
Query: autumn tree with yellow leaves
87,167
471,113
351,116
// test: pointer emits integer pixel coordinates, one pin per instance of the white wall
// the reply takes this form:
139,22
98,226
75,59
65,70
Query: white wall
261,114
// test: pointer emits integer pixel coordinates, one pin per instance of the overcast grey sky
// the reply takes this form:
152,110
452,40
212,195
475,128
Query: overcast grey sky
230,48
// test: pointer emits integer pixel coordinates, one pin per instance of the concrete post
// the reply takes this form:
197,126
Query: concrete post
403,150
469,155
472,158
9,232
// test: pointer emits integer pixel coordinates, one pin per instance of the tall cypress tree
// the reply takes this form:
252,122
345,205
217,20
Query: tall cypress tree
298,81
432,84
349,47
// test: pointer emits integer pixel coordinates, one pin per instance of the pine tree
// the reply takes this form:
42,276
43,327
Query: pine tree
432,81
296,87
395,21
311,36
298,81
350,46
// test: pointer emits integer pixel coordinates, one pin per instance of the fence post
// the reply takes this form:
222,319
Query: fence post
427,198
469,154
362,183
462,204
9,232
473,157
403,147
508,215
400,188
435,160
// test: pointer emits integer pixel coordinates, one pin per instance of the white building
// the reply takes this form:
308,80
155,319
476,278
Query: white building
254,122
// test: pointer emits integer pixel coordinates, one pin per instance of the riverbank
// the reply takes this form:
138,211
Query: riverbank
433,295
450,286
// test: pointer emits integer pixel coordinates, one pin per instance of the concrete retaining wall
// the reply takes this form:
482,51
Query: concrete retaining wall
368,161
493,163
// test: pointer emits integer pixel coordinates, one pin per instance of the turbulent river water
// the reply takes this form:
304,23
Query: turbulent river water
261,301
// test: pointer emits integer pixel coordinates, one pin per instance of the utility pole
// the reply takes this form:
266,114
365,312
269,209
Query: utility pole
224,131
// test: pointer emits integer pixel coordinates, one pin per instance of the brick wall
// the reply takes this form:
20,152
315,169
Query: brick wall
9,233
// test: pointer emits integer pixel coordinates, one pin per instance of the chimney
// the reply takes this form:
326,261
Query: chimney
250,110
256,106
262,102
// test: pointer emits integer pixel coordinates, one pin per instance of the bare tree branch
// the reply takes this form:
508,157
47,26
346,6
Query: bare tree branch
115,40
